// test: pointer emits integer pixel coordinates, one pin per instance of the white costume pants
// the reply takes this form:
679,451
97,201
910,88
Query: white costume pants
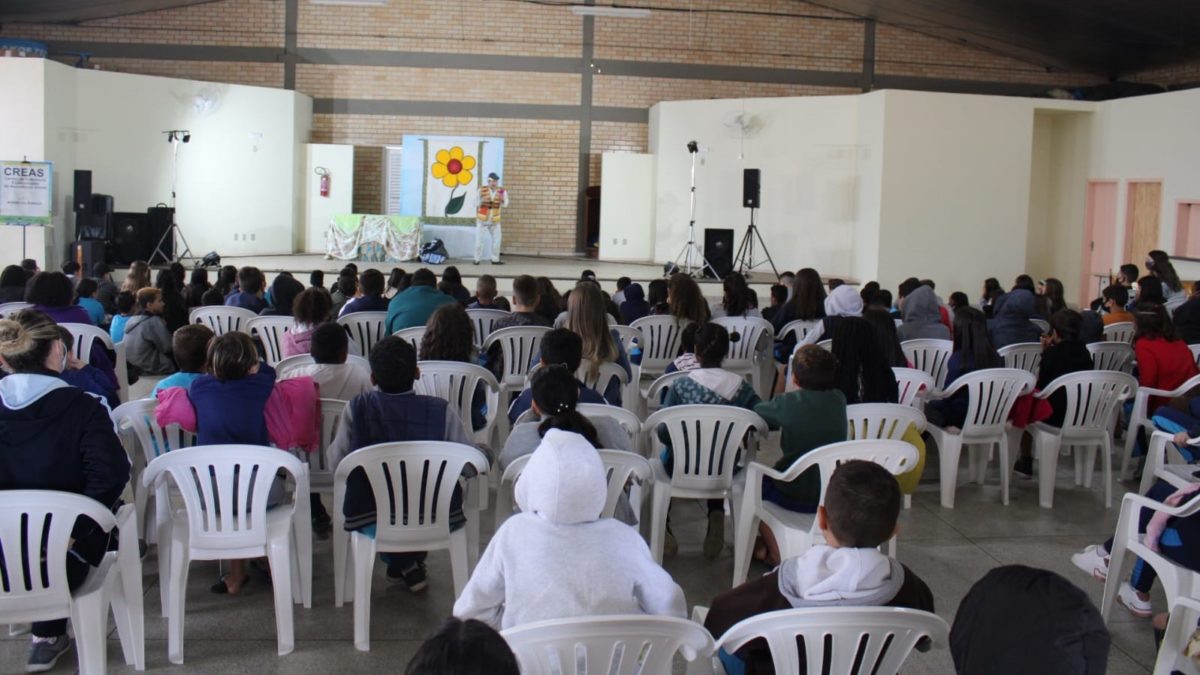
490,230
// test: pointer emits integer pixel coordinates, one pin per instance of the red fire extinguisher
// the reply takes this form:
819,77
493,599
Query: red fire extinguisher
324,174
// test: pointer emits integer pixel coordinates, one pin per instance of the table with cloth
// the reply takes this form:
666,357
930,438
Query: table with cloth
373,238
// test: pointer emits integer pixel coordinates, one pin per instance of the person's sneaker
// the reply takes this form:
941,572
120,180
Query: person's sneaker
1136,606
414,577
1093,560
45,652
1024,467
322,525
714,541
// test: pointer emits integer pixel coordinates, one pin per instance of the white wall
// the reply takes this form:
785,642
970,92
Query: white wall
339,160
22,136
627,206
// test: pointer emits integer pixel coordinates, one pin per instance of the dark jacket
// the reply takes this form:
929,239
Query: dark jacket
1187,320
413,307
1058,360
635,305
367,303
283,294
1011,324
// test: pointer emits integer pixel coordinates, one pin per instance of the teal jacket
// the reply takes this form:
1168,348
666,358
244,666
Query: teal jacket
414,306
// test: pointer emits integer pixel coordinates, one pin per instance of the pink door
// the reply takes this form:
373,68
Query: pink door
1187,230
1099,238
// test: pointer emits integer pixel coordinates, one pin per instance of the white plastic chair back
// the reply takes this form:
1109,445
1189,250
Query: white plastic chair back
224,490
742,352
704,443
137,418
619,468
9,308
655,393
826,344
414,335
599,645
1195,353
628,420
605,374
455,382
85,335
1183,618
286,366
629,336
270,330
518,344
1122,331
1116,355
660,341
894,455
913,384
992,393
483,320
882,420
1092,398
222,319
365,328
876,639
800,329
1022,356
1042,324
320,469
931,356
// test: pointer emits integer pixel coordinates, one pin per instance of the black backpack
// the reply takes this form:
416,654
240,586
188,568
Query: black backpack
434,252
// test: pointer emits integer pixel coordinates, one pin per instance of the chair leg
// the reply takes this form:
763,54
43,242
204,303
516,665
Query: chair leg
744,530
460,560
341,545
279,552
1005,468
131,617
163,528
949,449
661,498
175,589
908,501
1106,471
362,554
89,620
1046,448
303,549
1131,433
1089,466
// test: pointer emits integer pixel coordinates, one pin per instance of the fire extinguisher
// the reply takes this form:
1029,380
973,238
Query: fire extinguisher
324,174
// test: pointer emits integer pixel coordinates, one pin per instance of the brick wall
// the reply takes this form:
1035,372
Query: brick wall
1186,74
781,49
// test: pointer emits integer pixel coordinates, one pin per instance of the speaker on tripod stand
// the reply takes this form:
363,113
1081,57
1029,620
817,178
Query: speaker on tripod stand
752,199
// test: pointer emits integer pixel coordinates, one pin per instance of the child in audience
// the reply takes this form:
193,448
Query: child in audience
550,301
335,376
685,301
452,285
312,308
485,295
464,648
85,292
189,345
393,413
345,289
810,417
864,374
862,505
416,304
622,284
1011,323
226,283
586,317
735,301
525,301
1115,298
886,336
238,401
958,299
806,302
778,297
372,299
88,378
843,302
1164,361
557,558
126,303
282,295
448,337
250,291
147,340
687,351
921,313
634,305
560,349
656,297
973,350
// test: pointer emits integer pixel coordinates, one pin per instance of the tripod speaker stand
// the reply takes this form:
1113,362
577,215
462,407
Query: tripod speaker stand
745,253
692,258
174,137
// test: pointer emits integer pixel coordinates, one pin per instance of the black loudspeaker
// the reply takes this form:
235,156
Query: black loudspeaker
161,218
87,254
750,185
718,250
131,238
83,190
95,222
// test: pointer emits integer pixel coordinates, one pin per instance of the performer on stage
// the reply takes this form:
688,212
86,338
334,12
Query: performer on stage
492,198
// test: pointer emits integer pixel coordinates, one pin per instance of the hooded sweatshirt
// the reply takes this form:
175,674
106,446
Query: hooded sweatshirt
842,301
557,559
1010,323
635,306
148,344
283,294
922,317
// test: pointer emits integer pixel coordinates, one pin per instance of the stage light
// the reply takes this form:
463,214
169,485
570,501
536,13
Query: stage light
187,137
693,147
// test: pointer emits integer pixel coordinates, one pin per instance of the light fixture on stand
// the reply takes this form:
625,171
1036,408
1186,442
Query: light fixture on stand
175,137
691,260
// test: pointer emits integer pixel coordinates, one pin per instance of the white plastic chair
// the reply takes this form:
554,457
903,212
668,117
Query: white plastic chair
992,393
1195,353
630,336
85,335
1177,582
797,532
35,534
1022,356
882,637
657,387
1113,356
931,356
889,421
1184,612
222,319
1173,467
913,385
799,328
1092,400
660,342
519,345
704,445
320,469
605,374
455,382
414,336
619,467
1140,418
600,645
1122,331
826,344
745,355
1042,324
412,482
9,308
286,366
365,328
224,490
483,319
270,330
628,421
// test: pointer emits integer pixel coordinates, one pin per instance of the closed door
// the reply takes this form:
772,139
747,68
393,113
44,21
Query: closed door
1187,230
1142,212
1100,236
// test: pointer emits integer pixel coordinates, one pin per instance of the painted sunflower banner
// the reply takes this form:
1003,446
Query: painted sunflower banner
441,176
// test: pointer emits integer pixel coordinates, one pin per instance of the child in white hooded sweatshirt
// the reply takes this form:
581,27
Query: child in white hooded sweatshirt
557,558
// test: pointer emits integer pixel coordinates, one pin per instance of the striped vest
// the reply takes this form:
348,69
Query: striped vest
487,205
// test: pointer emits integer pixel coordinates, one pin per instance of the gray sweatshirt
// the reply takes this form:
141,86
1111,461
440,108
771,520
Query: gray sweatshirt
148,344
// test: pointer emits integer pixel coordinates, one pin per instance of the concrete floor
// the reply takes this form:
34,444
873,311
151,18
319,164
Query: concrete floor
949,549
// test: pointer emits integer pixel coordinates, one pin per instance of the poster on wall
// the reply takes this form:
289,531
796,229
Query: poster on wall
26,194
441,176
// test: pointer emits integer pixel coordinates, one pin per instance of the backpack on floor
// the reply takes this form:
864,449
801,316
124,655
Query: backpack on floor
434,252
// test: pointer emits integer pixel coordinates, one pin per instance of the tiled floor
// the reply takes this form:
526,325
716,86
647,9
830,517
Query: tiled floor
950,549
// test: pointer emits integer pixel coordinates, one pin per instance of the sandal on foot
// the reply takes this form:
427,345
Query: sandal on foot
221,588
